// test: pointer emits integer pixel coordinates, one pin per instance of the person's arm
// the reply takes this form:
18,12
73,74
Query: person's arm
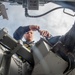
18,34
51,39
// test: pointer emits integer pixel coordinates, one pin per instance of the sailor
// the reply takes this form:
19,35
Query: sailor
28,33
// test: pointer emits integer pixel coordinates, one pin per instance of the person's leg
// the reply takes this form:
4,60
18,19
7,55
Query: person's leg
69,39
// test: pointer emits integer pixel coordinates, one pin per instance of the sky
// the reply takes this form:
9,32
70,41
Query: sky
56,22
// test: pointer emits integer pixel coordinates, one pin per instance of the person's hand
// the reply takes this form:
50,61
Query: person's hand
44,33
34,27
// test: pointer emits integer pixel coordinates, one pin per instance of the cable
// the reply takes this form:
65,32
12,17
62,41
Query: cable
27,15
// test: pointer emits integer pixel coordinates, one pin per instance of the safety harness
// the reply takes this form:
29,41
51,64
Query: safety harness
28,46
20,57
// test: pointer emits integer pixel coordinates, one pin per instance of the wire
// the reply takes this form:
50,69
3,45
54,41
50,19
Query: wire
27,15
68,13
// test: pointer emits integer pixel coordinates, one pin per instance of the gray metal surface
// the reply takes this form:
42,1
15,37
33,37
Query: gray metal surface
46,62
54,64
43,49
16,65
3,11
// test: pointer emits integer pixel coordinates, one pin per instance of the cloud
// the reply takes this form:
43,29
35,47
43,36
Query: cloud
56,22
